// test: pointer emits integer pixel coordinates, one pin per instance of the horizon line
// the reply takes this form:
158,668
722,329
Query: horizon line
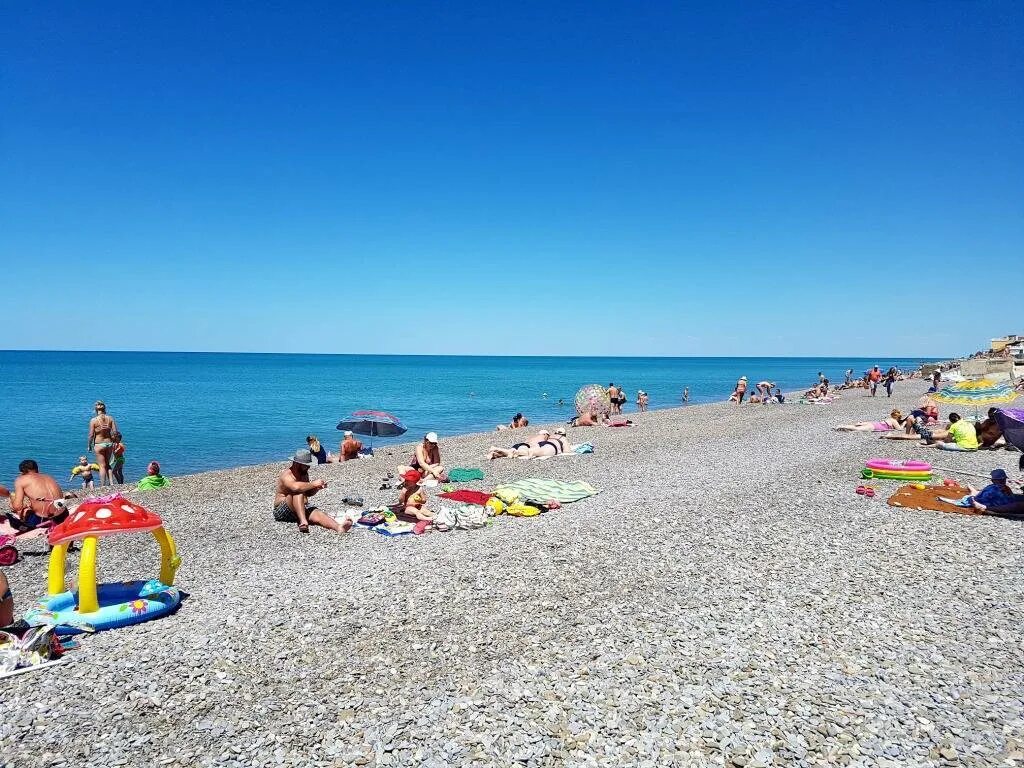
407,354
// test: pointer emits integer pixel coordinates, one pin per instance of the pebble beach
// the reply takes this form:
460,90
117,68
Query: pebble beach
726,600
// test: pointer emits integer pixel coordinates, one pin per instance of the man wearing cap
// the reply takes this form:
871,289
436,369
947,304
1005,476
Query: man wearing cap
350,447
291,497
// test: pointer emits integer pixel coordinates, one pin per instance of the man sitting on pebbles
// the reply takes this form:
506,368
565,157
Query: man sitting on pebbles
291,497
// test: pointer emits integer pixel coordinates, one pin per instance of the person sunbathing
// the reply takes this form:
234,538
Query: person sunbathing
412,500
540,442
588,419
895,420
989,432
959,437
518,421
37,498
1001,501
427,460
293,493
6,602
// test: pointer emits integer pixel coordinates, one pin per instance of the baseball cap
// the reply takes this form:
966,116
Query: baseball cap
998,474
431,437
348,433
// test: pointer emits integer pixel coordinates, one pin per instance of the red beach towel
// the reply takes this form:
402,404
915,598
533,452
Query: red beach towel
468,497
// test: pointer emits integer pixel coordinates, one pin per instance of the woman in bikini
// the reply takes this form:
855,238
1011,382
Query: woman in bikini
895,421
101,429
427,460
541,447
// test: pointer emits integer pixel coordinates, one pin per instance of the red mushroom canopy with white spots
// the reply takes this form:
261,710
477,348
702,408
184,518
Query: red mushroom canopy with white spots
104,517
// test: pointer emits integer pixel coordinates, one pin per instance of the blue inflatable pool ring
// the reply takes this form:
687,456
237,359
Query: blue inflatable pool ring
121,604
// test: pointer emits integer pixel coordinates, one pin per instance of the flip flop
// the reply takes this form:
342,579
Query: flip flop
303,527
869,492
861,490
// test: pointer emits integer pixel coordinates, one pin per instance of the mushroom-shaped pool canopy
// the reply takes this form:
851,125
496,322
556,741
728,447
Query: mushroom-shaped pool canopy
98,517
104,516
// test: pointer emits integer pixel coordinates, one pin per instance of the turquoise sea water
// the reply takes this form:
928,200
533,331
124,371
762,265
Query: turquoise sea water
202,411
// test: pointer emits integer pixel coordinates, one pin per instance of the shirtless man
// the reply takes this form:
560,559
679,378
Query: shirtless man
101,440
37,498
291,497
614,393
588,419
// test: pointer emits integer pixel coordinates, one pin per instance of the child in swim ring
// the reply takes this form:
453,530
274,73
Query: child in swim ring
83,470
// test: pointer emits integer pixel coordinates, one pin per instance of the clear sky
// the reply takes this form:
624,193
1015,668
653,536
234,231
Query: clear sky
805,178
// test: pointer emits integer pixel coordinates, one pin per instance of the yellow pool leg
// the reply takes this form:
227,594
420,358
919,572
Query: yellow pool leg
55,577
169,560
88,602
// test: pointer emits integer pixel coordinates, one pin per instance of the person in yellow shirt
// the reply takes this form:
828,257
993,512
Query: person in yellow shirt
961,436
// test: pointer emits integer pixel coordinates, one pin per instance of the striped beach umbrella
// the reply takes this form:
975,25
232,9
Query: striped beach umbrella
978,393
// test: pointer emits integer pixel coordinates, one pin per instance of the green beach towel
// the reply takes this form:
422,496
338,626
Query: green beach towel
537,490
460,475
153,482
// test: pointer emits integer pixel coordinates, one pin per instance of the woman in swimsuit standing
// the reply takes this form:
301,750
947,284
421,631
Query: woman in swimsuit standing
101,429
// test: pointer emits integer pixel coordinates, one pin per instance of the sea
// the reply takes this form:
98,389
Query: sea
204,411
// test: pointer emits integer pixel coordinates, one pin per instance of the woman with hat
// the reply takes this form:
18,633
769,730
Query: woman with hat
427,460
739,391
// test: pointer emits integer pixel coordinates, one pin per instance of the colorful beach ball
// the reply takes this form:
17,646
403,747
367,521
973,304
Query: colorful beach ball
593,398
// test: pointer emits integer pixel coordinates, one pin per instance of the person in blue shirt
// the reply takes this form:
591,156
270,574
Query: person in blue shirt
998,498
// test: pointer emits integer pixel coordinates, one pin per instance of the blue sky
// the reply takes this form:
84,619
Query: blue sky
524,178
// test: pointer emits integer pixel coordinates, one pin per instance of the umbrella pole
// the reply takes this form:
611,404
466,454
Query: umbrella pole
961,472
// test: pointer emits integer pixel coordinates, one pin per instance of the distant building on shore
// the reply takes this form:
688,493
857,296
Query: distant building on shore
1012,340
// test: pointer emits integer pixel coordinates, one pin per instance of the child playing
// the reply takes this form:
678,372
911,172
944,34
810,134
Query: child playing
117,458
84,471
412,501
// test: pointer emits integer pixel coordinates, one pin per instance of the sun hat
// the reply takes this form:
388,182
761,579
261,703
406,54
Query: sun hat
998,474
412,476
430,437
302,456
